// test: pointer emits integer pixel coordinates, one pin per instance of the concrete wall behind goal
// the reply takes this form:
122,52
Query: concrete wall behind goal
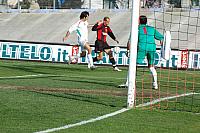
51,27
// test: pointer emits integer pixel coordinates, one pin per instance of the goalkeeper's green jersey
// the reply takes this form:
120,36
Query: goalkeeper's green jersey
147,36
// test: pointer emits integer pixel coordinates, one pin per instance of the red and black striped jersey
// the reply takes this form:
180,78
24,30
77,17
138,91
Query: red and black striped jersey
103,31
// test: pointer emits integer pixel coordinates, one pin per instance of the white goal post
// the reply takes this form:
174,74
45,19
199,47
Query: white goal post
133,54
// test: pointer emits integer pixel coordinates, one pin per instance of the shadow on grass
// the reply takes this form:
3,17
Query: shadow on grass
87,81
41,69
31,77
84,98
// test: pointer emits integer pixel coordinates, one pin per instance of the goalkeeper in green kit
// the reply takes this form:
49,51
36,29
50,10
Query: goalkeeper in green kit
146,47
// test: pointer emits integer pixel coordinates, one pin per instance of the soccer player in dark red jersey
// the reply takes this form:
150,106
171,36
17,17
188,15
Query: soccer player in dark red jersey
101,44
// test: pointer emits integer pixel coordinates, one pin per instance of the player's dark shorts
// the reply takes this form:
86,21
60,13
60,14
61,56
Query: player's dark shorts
100,46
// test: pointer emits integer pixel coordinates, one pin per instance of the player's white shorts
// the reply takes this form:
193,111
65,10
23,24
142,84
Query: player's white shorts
82,44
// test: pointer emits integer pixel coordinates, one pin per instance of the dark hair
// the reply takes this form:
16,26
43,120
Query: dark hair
105,18
143,19
84,14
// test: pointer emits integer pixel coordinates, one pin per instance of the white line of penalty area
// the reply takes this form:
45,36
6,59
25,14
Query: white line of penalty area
112,114
73,76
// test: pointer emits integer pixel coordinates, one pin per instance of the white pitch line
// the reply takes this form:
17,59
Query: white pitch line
78,76
84,122
111,114
23,76
163,99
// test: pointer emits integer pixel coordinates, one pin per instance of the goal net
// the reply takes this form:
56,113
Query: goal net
178,76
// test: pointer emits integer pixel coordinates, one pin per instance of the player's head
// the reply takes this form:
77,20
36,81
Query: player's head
84,15
143,19
106,21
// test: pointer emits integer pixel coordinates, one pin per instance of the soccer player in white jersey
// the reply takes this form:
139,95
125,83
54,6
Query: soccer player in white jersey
81,29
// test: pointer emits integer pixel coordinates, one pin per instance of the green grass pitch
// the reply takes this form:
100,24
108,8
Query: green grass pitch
37,96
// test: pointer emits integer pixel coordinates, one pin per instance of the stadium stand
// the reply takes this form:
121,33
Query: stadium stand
51,27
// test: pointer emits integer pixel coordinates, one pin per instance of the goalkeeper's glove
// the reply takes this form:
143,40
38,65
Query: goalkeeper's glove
127,53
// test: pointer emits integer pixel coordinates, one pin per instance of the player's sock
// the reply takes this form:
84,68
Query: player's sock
95,59
112,60
90,60
124,85
154,74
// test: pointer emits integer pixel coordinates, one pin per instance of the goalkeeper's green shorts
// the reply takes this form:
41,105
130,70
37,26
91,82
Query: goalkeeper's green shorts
142,54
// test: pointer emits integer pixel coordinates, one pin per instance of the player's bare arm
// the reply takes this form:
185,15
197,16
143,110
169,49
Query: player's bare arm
90,25
99,22
66,36
161,42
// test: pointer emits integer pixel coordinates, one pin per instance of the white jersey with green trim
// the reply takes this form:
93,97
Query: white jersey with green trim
81,29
